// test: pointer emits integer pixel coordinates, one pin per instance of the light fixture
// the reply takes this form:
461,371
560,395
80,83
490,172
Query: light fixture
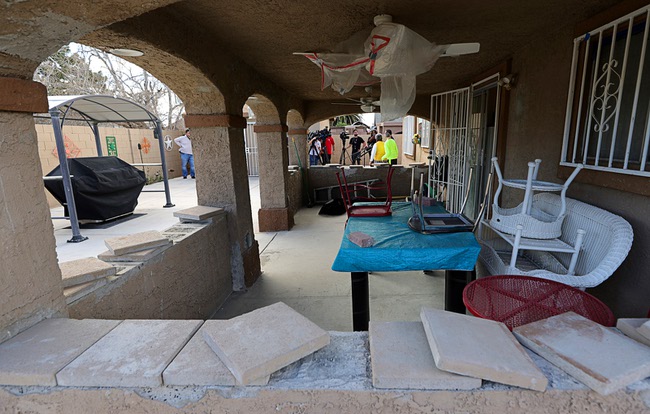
507,82
125,52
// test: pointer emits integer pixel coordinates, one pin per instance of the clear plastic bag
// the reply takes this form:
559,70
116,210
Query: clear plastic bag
392,54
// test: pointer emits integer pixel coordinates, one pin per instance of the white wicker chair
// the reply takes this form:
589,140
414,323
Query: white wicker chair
607,241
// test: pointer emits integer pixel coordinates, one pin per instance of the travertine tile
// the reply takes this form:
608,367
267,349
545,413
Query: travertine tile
599,357
479,348
77,292
141,256
198,213
132,355
35,356
644,330
85,270
401,358
136,242
259,343
629,327
197,364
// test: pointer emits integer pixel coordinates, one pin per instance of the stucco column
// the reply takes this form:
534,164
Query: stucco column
298,140
274,214
222,181
29,273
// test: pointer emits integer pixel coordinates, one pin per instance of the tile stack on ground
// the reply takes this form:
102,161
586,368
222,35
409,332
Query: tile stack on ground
479,348
599,357
629,327
198,213
35,356
137,247
256,344
401,358
644,329
83,276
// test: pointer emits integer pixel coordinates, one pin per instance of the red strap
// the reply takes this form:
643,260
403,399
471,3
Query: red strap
375,48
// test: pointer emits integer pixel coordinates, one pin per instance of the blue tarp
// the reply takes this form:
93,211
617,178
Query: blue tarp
398,248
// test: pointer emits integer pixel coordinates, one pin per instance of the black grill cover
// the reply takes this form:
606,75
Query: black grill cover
103,187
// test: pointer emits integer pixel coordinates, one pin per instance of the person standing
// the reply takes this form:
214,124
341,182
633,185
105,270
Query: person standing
314,151
187,156
357,143
391,148
329,147
377,150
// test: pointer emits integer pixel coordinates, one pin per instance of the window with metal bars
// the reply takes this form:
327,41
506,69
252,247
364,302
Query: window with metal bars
607,124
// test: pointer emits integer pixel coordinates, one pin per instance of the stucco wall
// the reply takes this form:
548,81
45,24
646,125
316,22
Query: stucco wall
535,130
190,280
287,401
295,191
401,182
30,280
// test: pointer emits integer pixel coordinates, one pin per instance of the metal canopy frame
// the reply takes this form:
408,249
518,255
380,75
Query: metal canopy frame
95,109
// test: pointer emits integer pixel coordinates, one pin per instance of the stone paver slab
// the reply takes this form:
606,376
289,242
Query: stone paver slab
77,292
479,348
629,327
141,256
401,358
136,242
259,343
85,270
34,356
599,357
644,330
134,354
197,364
198,213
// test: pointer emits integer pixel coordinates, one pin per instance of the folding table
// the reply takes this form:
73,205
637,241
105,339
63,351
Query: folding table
398,248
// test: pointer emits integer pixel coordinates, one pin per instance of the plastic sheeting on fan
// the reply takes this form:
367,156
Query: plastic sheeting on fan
392,54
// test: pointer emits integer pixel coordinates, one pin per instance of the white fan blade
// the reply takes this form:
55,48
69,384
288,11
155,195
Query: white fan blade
457,49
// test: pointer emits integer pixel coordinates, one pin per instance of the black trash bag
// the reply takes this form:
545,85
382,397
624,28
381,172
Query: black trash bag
334,207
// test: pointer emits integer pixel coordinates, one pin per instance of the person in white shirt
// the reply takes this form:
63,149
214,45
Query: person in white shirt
314,151
187,156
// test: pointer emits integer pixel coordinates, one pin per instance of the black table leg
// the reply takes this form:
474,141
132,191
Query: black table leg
360,301
455,282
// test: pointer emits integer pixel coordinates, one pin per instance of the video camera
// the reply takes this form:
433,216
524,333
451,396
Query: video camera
322,134
344,136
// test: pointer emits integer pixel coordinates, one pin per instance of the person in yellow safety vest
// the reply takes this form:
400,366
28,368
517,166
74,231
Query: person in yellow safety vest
391,148
377,150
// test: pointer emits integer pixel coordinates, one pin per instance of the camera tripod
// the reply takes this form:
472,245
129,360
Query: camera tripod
344,156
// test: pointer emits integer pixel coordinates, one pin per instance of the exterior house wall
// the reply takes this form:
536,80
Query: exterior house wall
535,130
81,143
172,285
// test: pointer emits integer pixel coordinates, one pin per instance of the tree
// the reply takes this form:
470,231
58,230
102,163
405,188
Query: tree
68,73
345,120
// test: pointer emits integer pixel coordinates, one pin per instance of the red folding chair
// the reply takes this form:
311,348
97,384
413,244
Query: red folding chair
349,193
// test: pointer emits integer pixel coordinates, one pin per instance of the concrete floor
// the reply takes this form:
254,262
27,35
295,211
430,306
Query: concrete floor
295,264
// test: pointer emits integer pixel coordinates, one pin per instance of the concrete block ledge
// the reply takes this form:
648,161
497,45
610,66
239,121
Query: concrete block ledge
335,379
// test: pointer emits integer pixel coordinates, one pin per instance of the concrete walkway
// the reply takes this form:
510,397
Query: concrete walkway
295,264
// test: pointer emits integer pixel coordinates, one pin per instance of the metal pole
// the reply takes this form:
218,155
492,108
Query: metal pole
161,145
98,142
65,173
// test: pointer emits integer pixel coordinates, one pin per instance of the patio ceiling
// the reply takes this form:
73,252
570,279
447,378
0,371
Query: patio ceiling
264,34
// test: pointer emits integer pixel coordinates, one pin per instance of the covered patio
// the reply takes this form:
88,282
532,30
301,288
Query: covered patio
220,56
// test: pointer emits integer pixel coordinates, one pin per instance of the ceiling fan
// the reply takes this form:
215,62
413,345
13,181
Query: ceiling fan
365,103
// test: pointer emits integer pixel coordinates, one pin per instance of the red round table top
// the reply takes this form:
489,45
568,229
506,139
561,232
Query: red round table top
518,300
